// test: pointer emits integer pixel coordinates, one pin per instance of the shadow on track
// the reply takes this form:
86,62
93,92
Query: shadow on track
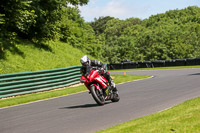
83,106
194,74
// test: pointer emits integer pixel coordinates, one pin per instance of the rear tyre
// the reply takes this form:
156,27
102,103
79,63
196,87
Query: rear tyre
116,97
97,95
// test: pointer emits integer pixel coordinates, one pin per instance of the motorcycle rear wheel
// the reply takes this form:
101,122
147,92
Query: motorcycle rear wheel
99,98
116,97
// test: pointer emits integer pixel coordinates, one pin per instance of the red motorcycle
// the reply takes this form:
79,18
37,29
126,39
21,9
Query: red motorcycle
97,86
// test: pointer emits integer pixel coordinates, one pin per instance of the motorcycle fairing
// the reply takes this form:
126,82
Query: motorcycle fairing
85,81
97,77
101,80
98,88
94,76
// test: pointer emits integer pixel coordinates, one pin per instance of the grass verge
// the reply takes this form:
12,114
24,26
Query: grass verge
61,92
34,58
183,118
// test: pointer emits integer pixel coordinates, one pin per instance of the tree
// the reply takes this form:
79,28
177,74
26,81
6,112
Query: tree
171,35
36,20
99,25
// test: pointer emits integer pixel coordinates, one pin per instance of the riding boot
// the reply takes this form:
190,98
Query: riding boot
114,89
112,84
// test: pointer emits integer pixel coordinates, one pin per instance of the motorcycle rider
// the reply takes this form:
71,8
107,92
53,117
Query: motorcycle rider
88,64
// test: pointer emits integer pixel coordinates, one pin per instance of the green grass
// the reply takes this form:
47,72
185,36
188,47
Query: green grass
183,118
60,92
118,78
32,58
40,96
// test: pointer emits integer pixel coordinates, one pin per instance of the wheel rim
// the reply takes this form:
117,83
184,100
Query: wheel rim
101,97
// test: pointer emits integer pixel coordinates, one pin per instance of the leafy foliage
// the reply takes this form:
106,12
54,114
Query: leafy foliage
171,35
99,25
35,20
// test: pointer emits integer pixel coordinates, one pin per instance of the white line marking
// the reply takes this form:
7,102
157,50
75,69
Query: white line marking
135,80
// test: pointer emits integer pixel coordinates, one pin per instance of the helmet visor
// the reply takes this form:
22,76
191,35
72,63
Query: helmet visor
85,63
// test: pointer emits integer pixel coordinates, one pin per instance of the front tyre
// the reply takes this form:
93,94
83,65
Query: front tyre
97,95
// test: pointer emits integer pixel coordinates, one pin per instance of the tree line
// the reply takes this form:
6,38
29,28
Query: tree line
170,35
174,34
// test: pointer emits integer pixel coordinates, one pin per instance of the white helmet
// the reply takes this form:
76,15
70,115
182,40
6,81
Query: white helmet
84,59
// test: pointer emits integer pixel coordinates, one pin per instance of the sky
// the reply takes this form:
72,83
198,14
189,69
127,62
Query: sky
124,9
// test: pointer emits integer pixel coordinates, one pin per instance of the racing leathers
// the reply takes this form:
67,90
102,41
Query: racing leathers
97,65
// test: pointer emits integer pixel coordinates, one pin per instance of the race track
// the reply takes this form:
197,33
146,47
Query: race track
79,113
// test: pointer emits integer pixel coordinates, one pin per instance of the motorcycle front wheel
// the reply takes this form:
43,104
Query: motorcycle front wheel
97,95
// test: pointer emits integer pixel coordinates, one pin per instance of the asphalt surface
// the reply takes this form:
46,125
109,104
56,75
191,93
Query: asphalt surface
79,113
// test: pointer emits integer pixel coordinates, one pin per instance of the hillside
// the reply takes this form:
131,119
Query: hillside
174,34
30,57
